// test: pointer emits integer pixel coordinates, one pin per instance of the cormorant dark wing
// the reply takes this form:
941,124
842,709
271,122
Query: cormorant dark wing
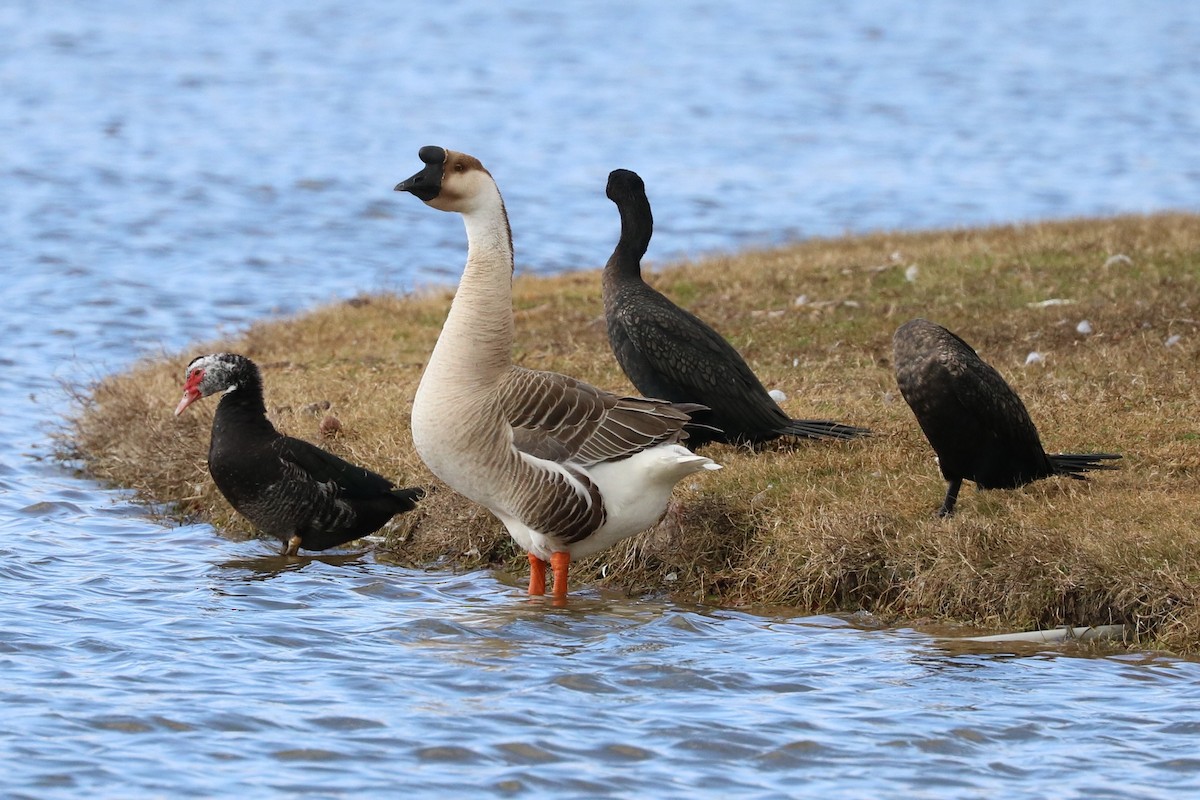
985,394
671,354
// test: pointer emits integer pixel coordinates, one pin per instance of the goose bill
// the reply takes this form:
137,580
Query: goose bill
427,183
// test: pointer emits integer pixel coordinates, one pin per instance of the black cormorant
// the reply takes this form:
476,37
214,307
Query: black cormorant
977,424
671,354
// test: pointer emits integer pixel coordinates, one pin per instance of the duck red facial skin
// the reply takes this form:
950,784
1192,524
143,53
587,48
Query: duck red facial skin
191,391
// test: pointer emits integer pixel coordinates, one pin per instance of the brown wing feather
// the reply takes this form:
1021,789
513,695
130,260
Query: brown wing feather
558,417
556,508
574,424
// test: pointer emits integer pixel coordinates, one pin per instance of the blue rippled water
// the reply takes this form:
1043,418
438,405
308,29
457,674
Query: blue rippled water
171,171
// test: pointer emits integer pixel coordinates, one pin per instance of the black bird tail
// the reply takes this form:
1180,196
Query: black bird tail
823,429
1073,465
407,498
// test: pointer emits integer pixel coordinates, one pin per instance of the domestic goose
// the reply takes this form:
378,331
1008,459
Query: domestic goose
975,422
670,353
295,491
568,468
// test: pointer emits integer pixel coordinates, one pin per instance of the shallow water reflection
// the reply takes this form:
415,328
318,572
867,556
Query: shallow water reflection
178,647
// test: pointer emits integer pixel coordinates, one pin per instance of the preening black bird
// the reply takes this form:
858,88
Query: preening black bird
977,424
295,491
671,354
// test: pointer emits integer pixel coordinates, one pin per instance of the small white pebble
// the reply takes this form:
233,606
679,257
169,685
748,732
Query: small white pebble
802,300
1034,358
1119,258
777,395
1173,340
671,577
1084,327
910,274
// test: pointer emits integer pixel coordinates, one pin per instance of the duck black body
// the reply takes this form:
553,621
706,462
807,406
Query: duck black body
975,422
670,354
295,491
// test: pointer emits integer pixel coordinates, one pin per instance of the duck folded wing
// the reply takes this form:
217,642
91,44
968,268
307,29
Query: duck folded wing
326,468
562,419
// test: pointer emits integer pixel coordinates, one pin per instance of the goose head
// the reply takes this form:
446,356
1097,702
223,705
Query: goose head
450,181
217,372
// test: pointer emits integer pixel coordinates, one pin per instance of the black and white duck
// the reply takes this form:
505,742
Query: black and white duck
295,491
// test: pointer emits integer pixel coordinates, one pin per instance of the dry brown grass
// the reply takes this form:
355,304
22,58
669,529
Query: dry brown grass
819,526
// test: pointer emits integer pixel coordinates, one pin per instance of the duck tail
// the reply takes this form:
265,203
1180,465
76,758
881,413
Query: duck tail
407,498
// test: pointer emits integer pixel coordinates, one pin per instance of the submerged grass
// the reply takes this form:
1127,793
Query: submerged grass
819,526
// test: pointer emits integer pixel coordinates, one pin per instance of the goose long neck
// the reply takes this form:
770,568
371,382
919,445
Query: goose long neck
478,334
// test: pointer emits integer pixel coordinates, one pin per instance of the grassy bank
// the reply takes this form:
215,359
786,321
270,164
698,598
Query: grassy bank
820,526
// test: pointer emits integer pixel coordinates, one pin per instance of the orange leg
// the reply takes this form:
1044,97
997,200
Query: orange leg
560,562
537,575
